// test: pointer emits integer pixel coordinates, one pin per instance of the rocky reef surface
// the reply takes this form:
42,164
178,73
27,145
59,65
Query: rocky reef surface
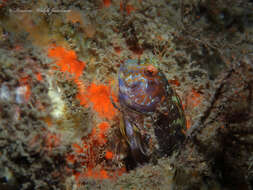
59,62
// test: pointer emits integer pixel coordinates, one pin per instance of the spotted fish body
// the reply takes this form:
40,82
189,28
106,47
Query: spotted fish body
153,118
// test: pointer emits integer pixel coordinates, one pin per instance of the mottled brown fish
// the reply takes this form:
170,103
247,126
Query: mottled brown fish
153,120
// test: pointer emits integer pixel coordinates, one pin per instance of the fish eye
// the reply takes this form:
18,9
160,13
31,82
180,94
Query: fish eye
150,71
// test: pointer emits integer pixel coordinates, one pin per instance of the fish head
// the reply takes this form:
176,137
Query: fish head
141,86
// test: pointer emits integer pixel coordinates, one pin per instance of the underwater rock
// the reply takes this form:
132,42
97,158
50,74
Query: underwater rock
152,114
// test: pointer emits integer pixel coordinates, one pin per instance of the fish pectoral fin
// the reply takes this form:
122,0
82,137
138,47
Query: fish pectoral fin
140,143
138,149
134,139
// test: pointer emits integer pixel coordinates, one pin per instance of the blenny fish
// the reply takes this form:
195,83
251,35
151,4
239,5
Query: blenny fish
153,120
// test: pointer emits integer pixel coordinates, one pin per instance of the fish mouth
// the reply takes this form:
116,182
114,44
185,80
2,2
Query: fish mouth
138,106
